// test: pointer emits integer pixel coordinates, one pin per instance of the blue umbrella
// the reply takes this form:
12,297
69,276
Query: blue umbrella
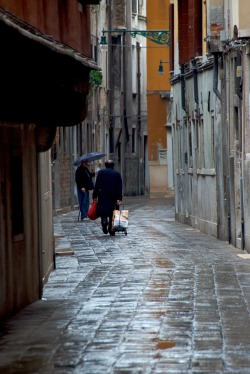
92,156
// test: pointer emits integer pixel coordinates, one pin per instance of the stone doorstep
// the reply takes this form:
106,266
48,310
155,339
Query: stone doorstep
58,235
64,253
62,247
245,256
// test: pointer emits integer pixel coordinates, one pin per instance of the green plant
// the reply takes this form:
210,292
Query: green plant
95,78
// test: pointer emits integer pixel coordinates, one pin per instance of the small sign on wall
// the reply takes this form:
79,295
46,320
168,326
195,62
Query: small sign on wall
162,156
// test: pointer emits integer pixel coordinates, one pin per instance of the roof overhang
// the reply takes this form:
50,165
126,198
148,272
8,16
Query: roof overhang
42,81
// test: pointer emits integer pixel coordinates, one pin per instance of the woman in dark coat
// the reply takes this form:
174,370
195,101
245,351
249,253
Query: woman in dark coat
108,191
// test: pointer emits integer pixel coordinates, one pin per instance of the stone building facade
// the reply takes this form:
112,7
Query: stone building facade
116,121
210,117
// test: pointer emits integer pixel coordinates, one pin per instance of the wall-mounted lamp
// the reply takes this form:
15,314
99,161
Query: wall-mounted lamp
160,69
157,36
103,41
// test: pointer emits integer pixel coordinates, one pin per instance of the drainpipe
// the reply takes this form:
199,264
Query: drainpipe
195,75
242,215
228,208
138,49
125,124
109,60
183,89
215,76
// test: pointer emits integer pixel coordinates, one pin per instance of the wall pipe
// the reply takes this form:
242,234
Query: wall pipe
215,76
138,49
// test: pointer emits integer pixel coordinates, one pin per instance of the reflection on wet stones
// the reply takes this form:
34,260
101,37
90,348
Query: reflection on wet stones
164,299
164,344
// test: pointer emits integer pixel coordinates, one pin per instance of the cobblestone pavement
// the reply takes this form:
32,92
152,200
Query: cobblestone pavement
163,299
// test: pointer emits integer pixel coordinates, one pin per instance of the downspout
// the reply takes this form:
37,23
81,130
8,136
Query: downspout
124,72
240,95
109,60
215,76
228,209
195,75
139,113
242,215
125,125
183,89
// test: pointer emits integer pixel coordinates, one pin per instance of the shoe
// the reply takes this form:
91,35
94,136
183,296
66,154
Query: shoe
111,232
105,227
84,219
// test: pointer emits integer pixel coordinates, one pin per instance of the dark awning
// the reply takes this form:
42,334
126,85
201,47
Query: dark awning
42,81
32,33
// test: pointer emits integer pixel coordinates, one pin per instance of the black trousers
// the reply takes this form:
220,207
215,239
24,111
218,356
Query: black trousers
107,219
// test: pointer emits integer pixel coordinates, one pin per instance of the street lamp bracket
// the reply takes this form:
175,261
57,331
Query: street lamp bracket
160,69
157,36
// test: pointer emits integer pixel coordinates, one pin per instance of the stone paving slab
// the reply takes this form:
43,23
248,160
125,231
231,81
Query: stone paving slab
163,299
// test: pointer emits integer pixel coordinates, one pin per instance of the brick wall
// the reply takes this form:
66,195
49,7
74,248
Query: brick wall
65,180
118,14
190,29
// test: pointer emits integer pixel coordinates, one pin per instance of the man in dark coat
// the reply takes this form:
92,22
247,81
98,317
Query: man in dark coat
83,179
108,191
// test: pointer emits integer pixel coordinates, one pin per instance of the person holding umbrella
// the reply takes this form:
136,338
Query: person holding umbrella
83,178
108,192
84,183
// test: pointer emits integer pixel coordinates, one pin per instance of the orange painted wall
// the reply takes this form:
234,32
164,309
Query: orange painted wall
157,19
156,121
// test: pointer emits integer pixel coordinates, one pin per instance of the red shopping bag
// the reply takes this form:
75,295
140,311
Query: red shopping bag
92,211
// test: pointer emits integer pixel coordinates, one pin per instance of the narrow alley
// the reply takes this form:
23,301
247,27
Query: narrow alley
163,299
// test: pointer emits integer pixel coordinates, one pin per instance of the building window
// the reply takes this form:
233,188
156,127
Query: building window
94,43
201,161
111,140
119,152
140,7
86,2
135,6
134,70
80,137
133,140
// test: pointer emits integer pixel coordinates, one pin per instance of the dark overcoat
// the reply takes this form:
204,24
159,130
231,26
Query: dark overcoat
108,189
83,178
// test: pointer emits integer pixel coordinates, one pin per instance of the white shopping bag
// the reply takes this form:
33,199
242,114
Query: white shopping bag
120,219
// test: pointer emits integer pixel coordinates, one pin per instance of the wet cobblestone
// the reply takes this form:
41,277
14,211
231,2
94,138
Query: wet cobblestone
163,299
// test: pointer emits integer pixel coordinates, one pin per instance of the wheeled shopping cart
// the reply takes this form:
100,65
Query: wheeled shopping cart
120,221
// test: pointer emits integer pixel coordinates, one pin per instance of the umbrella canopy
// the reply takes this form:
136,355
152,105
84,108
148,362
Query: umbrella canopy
92,156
